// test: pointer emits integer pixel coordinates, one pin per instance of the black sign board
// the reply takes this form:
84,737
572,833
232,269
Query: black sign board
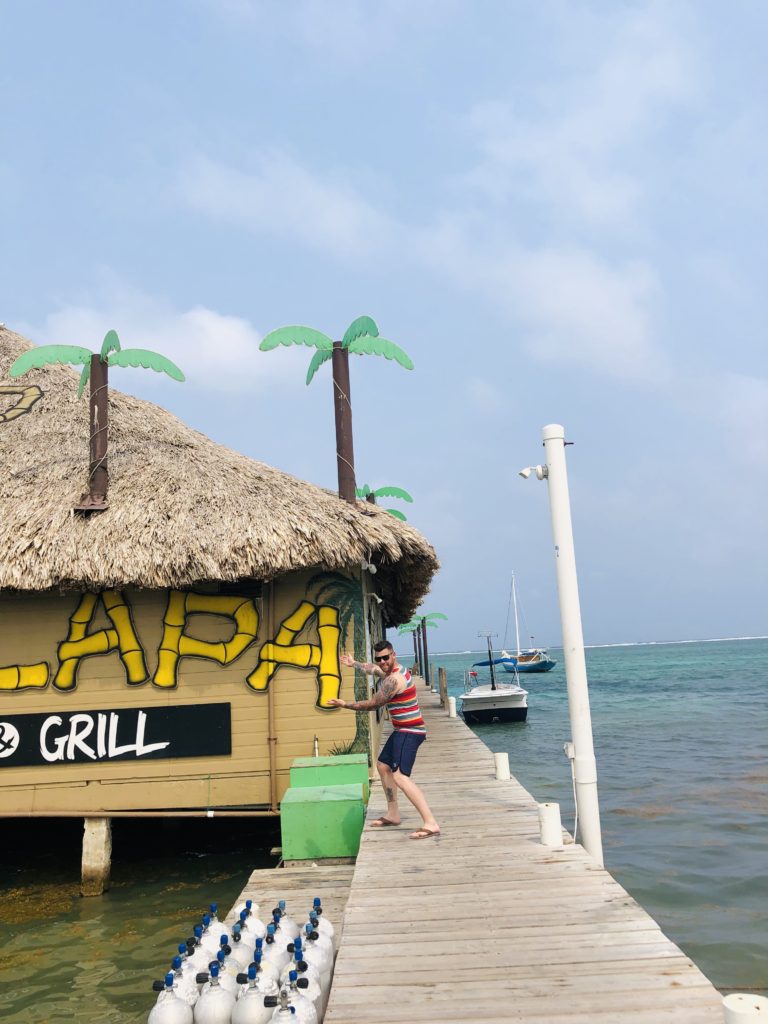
122,734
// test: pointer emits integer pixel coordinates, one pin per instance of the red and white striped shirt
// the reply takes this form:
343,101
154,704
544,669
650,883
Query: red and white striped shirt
404,710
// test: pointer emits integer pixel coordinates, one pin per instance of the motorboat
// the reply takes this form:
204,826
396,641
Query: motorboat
496,701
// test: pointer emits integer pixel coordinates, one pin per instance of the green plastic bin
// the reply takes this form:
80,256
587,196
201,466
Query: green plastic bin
319,822
340,770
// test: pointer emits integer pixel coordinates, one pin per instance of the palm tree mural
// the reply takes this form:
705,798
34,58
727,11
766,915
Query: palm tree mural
360,338
385,492
346,594
95,366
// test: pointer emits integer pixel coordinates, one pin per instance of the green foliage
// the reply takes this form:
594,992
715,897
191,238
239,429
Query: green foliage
371,346
397,514
44,355
149,360
111,343
296,335
339,748
362,325
320,357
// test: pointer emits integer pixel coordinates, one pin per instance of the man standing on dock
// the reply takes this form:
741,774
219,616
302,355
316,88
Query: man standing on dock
398,754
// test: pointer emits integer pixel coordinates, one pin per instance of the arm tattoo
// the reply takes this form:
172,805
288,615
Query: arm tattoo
383,695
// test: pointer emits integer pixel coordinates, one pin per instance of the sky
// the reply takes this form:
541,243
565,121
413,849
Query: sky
558,209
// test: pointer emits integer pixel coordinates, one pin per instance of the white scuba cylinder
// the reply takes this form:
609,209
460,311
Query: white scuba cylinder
308,980
306,1012
251,927
216,926
287,925
319,954
266,981
241,949
228,972
209,940
275,948
250,1008
184,982
324,925
170,1008
251,909
284,1013
215,1004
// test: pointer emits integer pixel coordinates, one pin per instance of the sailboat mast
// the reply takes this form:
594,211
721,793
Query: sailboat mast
514,603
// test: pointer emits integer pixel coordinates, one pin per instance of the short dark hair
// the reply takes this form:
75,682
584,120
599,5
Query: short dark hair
382,645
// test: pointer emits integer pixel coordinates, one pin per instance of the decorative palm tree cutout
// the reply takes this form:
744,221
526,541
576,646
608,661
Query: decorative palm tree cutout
95,366
360,338
418,627
385,492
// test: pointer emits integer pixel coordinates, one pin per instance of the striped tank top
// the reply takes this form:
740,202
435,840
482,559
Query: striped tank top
404,709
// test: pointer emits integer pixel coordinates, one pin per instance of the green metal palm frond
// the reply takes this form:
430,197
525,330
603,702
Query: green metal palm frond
84,378
44,355
392,492
111,343
296,335
397,514
149,360
362,325
363,492
320,357
370,346
434,615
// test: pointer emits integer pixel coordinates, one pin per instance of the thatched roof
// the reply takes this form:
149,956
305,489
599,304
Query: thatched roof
182,509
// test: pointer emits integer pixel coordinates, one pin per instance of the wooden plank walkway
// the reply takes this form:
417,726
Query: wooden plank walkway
484,924
297,886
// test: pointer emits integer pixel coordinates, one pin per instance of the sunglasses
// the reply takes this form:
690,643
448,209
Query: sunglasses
384,657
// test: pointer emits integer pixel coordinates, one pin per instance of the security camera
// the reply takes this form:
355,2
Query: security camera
525,473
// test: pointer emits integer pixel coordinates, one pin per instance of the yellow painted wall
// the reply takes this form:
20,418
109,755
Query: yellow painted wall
33,626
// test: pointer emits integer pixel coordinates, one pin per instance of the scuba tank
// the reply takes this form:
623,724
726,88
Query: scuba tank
215,1004
241,949
268,967
284,1013
318,953
323,924
308,980
306,1012
228,972
251,928
275,949
287,925
265,978
184,983
323,938
216,926
250,1008
170,1008
251,909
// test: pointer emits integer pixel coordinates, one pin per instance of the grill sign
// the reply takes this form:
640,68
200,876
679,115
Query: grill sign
124,734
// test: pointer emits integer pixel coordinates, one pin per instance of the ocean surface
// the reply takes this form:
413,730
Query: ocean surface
682,756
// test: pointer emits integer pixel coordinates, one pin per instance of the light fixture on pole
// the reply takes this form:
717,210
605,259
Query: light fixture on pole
583,762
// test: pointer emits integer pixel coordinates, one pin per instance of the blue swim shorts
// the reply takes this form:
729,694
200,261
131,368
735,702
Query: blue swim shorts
399,752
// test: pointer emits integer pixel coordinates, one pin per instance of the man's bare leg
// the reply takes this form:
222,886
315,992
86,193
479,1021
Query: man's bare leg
390,792
417,798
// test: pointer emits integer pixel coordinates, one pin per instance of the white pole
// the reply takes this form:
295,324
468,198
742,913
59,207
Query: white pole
550,829
451,707
585,767
502,766
743,1008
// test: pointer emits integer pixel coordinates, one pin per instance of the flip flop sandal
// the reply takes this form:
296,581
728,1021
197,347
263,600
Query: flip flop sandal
383,823
424,833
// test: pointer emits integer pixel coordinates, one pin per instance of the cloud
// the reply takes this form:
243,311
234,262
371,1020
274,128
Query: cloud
580,152
215,350
282,198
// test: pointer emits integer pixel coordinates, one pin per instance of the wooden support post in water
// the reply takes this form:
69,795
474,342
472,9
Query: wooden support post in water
443,683
97,856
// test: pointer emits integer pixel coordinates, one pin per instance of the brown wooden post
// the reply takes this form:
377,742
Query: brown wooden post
443,684
426,651
98,478
419,653
415,647
342,403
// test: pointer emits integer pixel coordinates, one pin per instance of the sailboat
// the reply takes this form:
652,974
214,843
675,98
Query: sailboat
494,701
531,659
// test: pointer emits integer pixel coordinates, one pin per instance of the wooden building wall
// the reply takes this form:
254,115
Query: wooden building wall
34,629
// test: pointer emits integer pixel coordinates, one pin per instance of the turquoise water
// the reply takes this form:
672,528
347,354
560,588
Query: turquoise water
681,742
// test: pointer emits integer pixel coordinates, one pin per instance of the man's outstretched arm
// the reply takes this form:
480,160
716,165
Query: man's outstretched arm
383,695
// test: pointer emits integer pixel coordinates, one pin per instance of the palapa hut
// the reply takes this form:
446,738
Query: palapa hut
176,651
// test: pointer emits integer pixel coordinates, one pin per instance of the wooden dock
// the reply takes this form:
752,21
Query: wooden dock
484,924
